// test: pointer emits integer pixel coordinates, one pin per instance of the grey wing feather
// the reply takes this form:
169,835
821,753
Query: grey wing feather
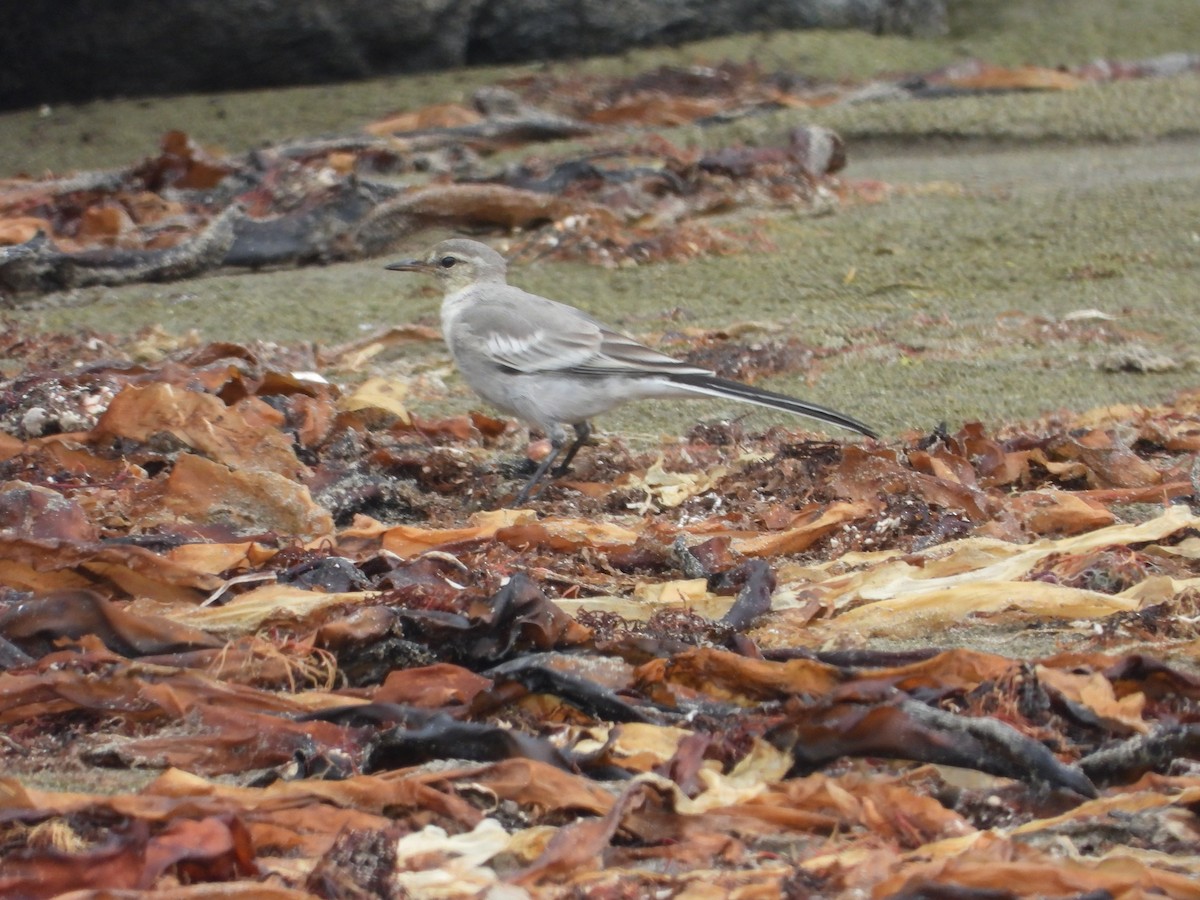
524,332
531,334
622,354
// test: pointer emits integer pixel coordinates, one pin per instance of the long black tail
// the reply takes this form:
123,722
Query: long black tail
735,390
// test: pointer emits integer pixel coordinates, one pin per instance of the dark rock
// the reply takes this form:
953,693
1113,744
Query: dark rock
75,50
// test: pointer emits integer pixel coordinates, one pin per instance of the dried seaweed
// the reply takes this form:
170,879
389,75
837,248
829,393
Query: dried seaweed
568,699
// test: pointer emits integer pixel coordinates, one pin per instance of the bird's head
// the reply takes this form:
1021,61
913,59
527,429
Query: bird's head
457,263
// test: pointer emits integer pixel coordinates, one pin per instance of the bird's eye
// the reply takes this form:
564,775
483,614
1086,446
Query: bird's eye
447,262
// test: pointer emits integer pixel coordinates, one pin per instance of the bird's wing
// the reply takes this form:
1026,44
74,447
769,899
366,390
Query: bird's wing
530,334
620,353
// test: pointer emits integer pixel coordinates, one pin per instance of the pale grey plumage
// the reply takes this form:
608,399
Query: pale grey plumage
553,365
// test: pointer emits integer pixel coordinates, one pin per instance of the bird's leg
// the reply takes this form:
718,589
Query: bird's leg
583,431
558,440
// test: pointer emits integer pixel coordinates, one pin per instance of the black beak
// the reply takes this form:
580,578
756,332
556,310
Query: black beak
409,265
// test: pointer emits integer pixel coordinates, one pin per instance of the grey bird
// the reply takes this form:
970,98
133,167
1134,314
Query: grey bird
552,365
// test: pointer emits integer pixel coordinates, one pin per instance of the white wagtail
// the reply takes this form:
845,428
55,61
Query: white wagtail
553,365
